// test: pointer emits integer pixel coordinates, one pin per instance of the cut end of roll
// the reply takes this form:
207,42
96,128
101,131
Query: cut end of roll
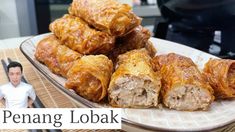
135,92
188,98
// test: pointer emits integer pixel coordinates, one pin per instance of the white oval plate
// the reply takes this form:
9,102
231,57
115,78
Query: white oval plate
221,113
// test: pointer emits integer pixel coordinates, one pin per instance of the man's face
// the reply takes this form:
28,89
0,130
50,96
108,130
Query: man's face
15,75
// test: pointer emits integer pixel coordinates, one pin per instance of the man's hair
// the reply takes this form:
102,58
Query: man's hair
14,64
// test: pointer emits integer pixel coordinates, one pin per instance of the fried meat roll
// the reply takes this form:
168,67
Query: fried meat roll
150,48
221,75
90,76
77,35
184,87
136,39
106,15
57,57
134,83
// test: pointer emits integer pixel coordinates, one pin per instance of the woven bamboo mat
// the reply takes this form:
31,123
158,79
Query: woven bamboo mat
46,92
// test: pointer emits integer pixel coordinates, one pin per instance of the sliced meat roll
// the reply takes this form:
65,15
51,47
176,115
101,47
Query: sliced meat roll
134,84
221,75
106,15
90,77
77,35
184,87
57,57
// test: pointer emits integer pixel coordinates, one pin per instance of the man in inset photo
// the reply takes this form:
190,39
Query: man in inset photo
16,94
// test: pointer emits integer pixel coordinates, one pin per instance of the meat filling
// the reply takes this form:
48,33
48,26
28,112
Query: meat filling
130,91
188,97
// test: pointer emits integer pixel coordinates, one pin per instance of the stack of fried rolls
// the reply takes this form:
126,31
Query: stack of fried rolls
82,39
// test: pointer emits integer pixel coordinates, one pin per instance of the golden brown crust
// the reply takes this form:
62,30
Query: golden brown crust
150,48
77,35
136,39
177,70
90,77
57,57
135,63
221,75
106,15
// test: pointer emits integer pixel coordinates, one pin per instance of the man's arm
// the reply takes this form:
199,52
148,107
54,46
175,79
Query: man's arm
32,97
2,100
30,103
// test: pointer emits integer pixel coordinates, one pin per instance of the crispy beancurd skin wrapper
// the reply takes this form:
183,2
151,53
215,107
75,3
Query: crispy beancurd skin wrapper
221,75
77,35
58,58
134,65
150,48
136,39
180,72
90,77
106,15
